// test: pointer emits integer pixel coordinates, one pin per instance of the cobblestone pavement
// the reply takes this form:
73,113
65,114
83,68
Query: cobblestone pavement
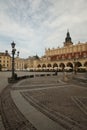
3,84
6,105
62,101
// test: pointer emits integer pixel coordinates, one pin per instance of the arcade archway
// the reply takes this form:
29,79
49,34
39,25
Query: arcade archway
62,65
69,64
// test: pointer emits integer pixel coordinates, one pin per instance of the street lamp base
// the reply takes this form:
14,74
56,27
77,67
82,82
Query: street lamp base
12,80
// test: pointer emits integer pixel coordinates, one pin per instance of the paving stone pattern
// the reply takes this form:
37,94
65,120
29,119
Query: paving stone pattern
63,103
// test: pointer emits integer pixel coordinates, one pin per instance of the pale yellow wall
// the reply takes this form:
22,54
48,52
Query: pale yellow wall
33,63
67,49
19,63
5,61
64,50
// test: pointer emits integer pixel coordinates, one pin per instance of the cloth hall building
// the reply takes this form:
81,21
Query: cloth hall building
69,55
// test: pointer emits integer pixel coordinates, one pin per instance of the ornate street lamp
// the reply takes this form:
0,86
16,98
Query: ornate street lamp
13,78
13,53
18,54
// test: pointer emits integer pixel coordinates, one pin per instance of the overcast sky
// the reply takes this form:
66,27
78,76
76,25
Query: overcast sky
38,24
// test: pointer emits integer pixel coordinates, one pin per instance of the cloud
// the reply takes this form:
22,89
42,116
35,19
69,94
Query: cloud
37,24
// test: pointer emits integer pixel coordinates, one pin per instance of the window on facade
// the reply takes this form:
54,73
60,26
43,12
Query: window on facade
57,57
69,56
70,50
63,57
77,55
3,65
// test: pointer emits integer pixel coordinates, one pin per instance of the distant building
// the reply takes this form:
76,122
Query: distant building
31,62
26,64
5,61
20,63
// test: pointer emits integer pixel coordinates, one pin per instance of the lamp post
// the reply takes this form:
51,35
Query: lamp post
13,53
18,54
75,66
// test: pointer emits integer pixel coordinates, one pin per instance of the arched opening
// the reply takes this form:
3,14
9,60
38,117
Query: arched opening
78,64
69,64
82,68
85,64
55,65
62,65
49,65
0,67
39,66
43,66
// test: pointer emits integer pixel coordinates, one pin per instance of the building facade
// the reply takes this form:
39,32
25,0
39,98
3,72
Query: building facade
5,61
20,63
69,55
